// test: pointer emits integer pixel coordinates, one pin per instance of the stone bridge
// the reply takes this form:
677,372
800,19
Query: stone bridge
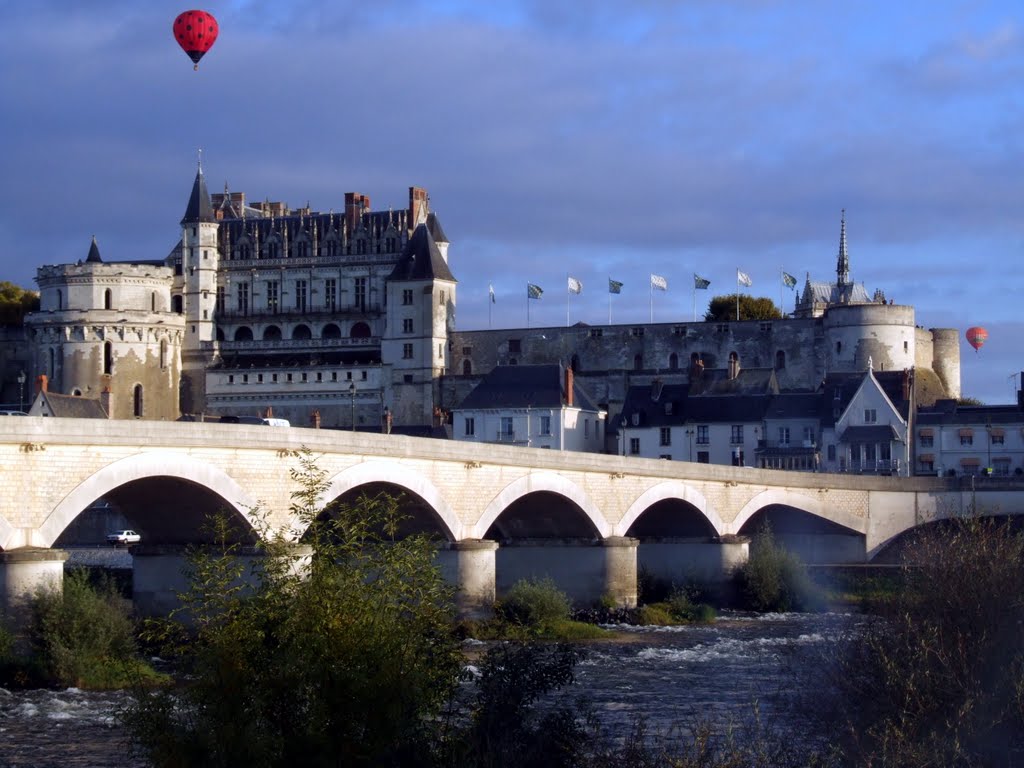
588,521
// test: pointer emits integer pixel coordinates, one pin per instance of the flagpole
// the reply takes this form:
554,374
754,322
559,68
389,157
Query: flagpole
695,299
527,305
490,304
652,299
609,301
568,293
782,285
737,294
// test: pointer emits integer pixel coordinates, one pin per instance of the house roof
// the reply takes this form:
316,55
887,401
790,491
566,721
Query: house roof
522,386
749,381
949,412
872,433
421,259
70,406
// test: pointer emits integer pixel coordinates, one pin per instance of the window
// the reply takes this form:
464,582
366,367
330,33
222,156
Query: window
108,302
407,351
506,427
638,330
407,325
809,435
926,441
966,439
702,435
331,294
545,425
703,457
736,436
137,401
300,295
467,367
163,353
638,362
360,293
1001,466
586,428
219,301
996,437
596,333
514,347
406,296
870,416
243,298
927,465
665,436
634,446
780,360
273,295
673,362
831,453
108,357
470,429
783,436
737,457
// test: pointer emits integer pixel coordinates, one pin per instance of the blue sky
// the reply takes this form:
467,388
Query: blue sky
599,139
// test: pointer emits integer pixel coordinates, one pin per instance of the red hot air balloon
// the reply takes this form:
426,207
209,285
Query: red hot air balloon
196,32
976,337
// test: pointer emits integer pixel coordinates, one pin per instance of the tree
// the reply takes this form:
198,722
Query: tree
15,303
723,308
349,659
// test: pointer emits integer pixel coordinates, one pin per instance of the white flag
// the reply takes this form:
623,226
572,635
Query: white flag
575,286
743,278
659,282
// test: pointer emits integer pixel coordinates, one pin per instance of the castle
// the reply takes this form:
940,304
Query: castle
347,319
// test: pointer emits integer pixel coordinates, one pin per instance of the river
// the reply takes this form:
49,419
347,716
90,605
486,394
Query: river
670,676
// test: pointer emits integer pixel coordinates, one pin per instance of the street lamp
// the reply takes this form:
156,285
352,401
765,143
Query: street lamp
21,391
352,394
689,439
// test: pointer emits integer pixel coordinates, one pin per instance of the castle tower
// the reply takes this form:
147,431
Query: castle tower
199,262
420,314
108,330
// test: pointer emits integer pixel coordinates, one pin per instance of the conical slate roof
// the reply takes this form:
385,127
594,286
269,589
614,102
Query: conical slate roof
200,209
94,253
421,259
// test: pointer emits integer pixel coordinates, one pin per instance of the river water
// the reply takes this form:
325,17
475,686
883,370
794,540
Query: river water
669,676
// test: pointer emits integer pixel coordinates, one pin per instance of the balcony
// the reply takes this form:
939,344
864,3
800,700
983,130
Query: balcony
284,314
291,345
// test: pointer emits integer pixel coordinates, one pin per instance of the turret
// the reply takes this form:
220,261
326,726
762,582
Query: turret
843,262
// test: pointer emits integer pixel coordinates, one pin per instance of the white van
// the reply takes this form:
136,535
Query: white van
277,422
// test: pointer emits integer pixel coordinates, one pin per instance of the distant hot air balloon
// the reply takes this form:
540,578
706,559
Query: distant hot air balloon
196,32
976,337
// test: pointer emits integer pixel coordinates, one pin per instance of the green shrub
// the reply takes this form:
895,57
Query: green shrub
655,614
683,608
535,603
83,635
773,579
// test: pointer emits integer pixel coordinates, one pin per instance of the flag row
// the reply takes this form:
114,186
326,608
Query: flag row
658,282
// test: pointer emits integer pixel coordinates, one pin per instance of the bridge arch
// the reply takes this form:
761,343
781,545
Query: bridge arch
142,466
536,482
800,501
671,489
395,474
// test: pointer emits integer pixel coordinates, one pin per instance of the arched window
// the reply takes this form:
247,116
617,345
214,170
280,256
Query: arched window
780,360
220,334
108,299
467,367
152,302
331,331
176,304
302,332
60,299
163,354
243,334
108,358
673,362
272,333
137,401
360,331
638,362
839,347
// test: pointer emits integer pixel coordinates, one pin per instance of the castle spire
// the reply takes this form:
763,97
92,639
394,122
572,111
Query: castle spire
94,253
199,209
843,265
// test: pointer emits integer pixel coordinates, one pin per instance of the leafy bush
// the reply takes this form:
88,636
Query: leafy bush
938,678
83,635
534,603
773,579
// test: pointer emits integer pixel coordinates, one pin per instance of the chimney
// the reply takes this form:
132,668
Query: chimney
105,397
568,386
355,204
42,383
418,208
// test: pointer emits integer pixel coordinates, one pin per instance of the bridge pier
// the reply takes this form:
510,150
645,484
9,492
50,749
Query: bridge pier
620,570
23,574
693,561
470,566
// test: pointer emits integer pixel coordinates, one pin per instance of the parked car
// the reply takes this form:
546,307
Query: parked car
13,413
123,538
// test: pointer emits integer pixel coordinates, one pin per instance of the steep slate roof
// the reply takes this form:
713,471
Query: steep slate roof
519,386
649,401
70,406
750,381
434,225
949,412
796,405
94,253
421,259
842,387
199,209
873,433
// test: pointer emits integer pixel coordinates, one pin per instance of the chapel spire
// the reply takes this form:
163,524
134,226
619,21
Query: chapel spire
843,264
199,209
